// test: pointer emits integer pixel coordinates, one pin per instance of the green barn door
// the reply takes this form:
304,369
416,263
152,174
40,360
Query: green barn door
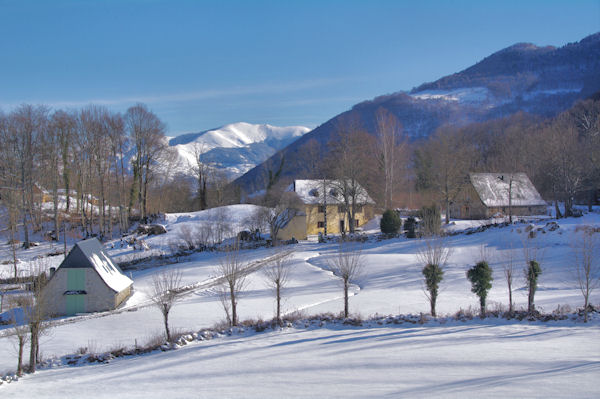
75,303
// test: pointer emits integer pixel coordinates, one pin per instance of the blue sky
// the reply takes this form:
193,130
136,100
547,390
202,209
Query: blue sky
203,64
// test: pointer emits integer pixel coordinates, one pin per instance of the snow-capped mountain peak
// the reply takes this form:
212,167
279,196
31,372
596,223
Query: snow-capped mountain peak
236,147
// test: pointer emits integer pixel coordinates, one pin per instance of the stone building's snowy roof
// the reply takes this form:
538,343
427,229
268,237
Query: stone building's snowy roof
311,192
89,254
493,189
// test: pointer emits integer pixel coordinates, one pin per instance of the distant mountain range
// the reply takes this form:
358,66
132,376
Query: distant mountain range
234,148
523,77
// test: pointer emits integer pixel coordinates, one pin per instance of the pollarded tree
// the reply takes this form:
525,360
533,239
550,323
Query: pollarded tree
232,271
277,276
347,264
36,316
166,291
532,269
20,304
433,254
532,272
509,274
586,265
481,278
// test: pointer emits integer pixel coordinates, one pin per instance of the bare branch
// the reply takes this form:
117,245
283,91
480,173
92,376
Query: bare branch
166,291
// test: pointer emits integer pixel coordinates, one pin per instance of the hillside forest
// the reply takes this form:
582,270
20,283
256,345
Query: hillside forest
93,172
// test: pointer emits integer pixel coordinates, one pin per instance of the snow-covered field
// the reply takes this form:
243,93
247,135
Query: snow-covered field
476,358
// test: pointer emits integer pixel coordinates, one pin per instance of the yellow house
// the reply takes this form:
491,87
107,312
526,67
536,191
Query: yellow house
311,220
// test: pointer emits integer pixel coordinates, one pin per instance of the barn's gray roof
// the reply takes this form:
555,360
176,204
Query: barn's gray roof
493,189
89,254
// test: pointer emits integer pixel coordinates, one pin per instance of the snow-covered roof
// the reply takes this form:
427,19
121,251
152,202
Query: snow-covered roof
89,254
311,192
493,189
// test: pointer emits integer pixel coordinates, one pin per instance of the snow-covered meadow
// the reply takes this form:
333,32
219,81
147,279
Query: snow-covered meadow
491,357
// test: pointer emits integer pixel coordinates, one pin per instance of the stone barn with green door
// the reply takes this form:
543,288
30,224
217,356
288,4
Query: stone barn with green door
86,281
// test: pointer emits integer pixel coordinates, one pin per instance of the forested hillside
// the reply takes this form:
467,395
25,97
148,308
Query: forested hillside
541,81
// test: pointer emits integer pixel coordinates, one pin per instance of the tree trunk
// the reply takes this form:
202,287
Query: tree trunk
233,307
325,208
346,286
482,306
557,210
13,248
20,360
166,321
510,301
33,348
432,301
145,194
278,294
65,238
66,181
24,210
510,184
585,306
55,206
530,304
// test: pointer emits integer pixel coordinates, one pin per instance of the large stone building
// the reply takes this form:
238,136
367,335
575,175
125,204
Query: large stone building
311,219
86,281
489,194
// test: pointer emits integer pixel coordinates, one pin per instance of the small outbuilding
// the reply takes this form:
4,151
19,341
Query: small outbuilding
489,194
86,281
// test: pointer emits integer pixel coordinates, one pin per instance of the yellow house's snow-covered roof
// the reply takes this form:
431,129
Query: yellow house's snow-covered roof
311,192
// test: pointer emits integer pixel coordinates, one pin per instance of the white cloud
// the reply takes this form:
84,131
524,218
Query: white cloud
187,96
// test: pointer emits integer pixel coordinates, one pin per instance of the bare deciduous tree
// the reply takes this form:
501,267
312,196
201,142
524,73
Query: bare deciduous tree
390,144
187,234
166,291
509,274
280,210
347,264
433,254
201,172
257,221
585,264
19,307
231,270
350,165
448,156
36,315
147,132
277,276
